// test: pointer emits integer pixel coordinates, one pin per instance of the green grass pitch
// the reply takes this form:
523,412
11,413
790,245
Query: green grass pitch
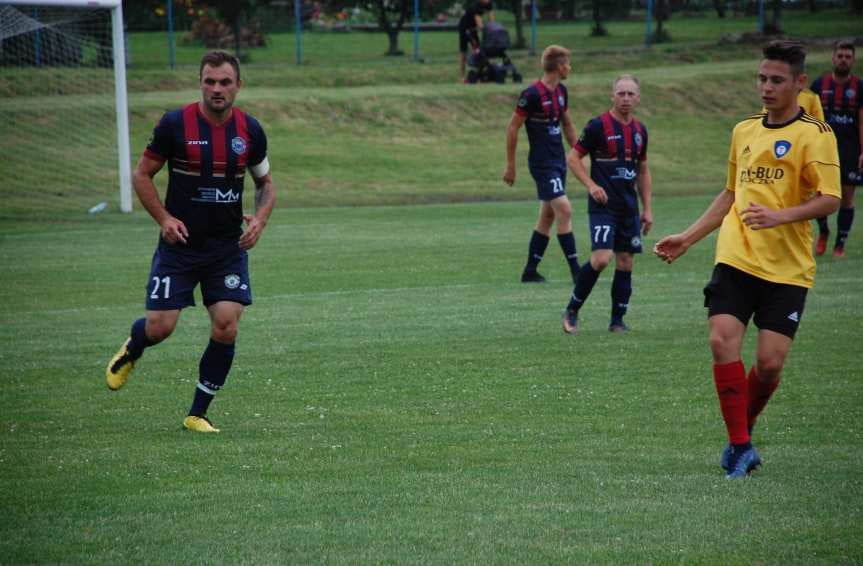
399,397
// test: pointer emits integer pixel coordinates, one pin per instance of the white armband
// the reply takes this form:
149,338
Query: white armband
261,168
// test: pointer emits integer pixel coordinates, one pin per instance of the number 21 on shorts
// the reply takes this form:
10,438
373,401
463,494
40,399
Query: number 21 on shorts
165,284
557,185
601,230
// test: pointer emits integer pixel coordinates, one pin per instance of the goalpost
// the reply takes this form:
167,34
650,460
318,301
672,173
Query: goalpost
67,136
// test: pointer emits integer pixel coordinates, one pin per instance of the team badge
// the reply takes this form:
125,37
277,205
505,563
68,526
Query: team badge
232,281
781,148
637,138
238,144
850,93
560,100
635,242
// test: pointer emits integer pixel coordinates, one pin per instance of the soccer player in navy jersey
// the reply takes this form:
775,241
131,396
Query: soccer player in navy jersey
543,108
840,92
208,145
617,145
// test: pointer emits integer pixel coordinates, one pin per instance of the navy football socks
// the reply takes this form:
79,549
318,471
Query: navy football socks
567,244
587,277
621,291
823,227
843,224
536,250
139,339
213,371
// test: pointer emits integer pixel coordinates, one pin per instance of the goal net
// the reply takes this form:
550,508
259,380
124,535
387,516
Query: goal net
63,112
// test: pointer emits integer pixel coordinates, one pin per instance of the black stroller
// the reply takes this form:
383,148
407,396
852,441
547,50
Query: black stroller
495,42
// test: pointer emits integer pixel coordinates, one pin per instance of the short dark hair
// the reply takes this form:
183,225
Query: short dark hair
217,59
787,51
844,44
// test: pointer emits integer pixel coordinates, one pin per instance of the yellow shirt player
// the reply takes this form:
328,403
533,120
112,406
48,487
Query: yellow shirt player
783,170
778,166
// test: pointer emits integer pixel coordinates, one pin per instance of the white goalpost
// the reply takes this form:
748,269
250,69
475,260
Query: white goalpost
60,63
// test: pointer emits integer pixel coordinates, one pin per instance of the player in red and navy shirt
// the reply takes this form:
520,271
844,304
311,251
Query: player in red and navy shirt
543,108
617,145
209,147
840,93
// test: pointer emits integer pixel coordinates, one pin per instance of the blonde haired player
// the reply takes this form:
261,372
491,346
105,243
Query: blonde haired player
543,108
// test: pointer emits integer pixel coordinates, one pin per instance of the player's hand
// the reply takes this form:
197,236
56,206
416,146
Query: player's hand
509,175
598,194
758,217
670,248
646,222
173,231
250,236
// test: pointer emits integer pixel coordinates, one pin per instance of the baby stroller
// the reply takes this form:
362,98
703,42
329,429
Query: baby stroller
495,42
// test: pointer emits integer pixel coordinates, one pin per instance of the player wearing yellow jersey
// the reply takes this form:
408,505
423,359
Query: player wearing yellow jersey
783,170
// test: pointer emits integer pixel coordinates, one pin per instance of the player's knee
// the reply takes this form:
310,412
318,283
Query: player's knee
722,347
769,368
158,330
224,331
600,261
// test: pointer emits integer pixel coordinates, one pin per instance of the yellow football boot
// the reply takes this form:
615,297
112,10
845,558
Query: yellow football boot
199,424
120,367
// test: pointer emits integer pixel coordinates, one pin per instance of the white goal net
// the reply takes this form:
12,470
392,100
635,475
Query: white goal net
64,127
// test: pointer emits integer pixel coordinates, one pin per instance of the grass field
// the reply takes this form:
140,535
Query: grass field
398,397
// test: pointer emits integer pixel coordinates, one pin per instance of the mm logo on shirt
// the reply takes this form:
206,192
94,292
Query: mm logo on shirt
781,148
210,194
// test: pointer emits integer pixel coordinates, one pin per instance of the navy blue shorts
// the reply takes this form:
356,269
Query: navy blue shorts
850,174
550,182
173,279
618,232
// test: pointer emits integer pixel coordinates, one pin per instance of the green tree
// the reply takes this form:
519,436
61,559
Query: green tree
391,18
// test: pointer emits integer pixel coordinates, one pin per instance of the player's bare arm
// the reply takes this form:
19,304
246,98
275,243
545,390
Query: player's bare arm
645,190
576,164
515,123
569,129
265,200
173,230
672,247
759,217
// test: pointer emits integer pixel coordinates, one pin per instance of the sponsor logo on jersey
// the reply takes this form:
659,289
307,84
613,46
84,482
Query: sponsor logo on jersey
842,119
546,103
624,173
238,144
232,281
780,148
212,194
761,175
197,142
614,137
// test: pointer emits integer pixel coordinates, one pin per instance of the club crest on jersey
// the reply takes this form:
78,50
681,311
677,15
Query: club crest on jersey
232,281
560,100
637,138
781,148
238,144
850,93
